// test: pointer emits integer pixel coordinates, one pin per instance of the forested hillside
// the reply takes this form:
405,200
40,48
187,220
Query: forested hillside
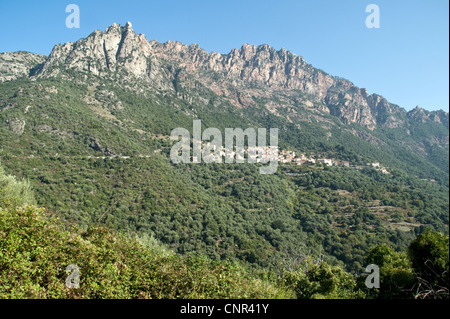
37,247
110,164
85,134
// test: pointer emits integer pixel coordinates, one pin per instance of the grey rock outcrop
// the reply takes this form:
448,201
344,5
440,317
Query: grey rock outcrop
14,65
240,76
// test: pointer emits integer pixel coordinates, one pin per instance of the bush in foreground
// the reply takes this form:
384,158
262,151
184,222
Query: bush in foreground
35,250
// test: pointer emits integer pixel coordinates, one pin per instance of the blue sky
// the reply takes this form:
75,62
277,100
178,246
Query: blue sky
406,60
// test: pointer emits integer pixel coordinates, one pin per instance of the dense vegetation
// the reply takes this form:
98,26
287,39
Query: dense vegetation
96,157
35,251
36,247
231,211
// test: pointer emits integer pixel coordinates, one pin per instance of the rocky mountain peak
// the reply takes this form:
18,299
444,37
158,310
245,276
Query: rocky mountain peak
421,115
14,65
243,74
118,48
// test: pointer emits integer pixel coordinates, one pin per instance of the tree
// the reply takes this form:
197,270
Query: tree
396,274
14,192
429,255
320,280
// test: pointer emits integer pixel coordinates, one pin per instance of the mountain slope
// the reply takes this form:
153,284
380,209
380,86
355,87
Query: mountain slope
252,67
19,64
280,81
89,127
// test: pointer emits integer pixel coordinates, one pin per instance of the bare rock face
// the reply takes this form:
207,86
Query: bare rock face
240,76
423,116
117,50
14,65
17,126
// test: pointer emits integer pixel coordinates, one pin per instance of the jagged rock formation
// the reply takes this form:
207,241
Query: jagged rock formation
420,115
240,76
99,112
14,65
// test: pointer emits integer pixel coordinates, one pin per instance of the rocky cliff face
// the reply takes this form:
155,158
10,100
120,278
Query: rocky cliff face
423,116
14,65
117,51
241,76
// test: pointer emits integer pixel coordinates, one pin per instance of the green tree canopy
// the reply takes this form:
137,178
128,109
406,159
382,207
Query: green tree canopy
429,255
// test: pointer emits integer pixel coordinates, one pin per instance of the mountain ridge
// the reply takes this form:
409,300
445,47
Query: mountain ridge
89,126
101,53
272,83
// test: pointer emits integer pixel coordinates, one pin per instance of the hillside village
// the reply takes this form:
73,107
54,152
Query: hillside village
286,157
270,154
